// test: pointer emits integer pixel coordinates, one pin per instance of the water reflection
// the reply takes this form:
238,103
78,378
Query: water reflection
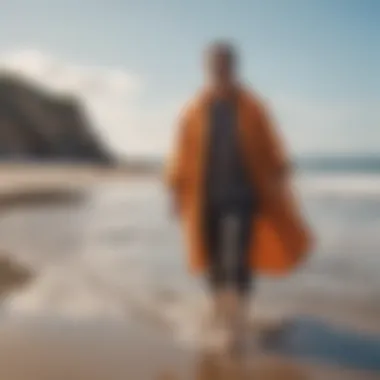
324,343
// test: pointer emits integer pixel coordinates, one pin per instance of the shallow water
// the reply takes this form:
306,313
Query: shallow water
321,343
59,348
117,252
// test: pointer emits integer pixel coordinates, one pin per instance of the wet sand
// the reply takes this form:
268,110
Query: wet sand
134,348
42,349
13,275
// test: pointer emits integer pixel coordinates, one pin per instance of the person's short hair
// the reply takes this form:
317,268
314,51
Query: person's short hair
225,49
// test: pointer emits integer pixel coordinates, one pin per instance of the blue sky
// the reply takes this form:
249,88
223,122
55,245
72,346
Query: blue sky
317,61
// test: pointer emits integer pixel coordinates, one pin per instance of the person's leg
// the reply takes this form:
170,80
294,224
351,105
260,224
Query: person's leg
227,233
243,274
228,296
215,275
236,237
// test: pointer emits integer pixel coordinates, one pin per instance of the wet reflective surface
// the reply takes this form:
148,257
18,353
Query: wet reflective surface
324,343
114,254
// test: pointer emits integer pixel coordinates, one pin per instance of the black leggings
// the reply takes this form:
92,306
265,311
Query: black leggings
228,235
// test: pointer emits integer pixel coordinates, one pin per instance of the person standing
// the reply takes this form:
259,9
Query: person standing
229,180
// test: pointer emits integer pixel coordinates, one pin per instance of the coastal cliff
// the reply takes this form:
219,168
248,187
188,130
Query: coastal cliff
39,126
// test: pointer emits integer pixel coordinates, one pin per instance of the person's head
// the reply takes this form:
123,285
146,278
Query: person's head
221,64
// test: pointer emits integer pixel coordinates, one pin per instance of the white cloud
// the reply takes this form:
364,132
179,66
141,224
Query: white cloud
114,99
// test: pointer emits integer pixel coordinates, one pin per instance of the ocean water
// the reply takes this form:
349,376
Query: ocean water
117,253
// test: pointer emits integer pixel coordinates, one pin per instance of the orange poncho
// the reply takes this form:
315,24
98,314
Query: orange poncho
280,238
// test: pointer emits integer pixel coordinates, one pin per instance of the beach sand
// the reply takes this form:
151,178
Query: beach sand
54,348
40,349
